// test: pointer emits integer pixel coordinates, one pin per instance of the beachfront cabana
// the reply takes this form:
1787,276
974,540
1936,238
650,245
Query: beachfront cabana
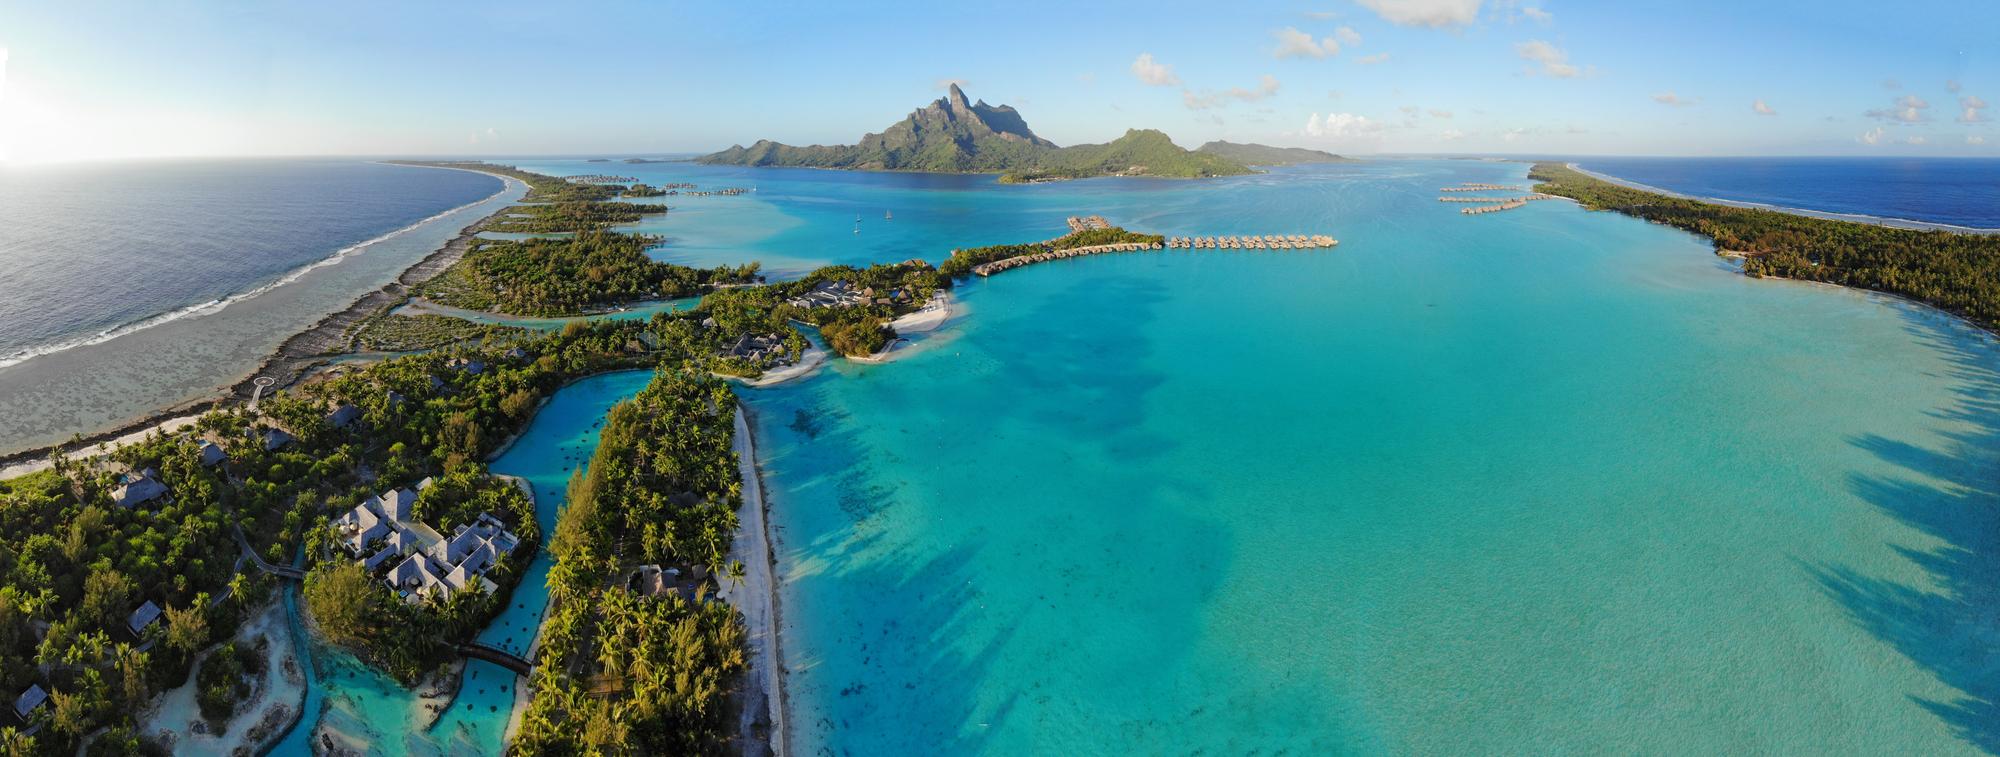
212,454
138,488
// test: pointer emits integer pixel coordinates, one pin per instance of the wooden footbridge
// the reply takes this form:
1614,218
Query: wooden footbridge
480,650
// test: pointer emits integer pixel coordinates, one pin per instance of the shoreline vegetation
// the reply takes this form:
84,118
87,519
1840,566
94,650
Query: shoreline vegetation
1957,273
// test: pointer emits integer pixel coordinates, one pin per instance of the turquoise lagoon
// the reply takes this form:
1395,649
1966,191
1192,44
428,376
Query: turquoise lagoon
1536,481
1543,481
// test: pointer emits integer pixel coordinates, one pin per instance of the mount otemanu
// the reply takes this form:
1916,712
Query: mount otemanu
953,135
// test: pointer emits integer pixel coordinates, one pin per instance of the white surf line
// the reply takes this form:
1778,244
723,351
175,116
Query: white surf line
217,305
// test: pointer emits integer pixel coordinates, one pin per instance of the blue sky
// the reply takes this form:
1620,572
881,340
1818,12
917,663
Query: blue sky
81,79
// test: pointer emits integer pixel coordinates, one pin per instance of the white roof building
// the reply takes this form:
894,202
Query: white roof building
449,565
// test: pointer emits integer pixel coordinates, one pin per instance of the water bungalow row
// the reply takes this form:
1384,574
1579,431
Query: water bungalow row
1535,196
1508,205
1471,187
1078,224
1270,242
599,178
714,192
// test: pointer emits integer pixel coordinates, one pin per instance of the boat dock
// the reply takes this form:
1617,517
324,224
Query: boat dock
1080,224
1266,242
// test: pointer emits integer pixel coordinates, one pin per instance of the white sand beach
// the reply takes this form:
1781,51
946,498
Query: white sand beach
175,719
808,362
764,708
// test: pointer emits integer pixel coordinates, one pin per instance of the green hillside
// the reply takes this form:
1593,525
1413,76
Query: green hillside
953,135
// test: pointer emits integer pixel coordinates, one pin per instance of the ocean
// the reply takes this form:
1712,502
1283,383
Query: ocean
1951,191
135,286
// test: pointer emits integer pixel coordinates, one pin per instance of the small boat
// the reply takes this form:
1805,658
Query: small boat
886,215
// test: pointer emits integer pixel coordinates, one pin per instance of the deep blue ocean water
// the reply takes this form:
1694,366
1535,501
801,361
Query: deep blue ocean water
96,247
1954,191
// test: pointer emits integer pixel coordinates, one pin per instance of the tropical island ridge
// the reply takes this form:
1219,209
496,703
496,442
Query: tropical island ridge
1416,410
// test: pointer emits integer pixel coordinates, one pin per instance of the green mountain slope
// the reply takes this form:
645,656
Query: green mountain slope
1266,155
953,135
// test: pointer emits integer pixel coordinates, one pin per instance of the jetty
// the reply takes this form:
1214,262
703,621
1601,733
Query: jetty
1265,242
1471,187
599,178
1507,204
1080,224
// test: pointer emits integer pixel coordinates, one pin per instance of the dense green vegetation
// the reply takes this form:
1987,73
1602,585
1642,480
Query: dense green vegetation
1266,155
962,261
74,567
555,217
952,135
227,677
550,277
857,334
642,190
408,333
630,672
1956,272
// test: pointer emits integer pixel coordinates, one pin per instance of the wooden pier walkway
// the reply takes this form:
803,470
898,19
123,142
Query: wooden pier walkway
1267,242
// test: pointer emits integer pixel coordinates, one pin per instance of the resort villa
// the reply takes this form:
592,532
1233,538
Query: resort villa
138,488
830,294
212,454
384,530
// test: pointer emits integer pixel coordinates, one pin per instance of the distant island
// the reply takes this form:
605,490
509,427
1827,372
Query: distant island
1266,155
954,135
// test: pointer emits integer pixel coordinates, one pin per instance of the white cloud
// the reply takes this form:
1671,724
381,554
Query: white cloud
1554,61
1975,110
1762,108
1451,135
1340,126
1974,139
1265,88
1909,109
1347,35
1322,15
1669,98
1871,137
1154,73
1369,60
1513,134
1917,140
1537,14
1432,13
1435,113
1293,43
